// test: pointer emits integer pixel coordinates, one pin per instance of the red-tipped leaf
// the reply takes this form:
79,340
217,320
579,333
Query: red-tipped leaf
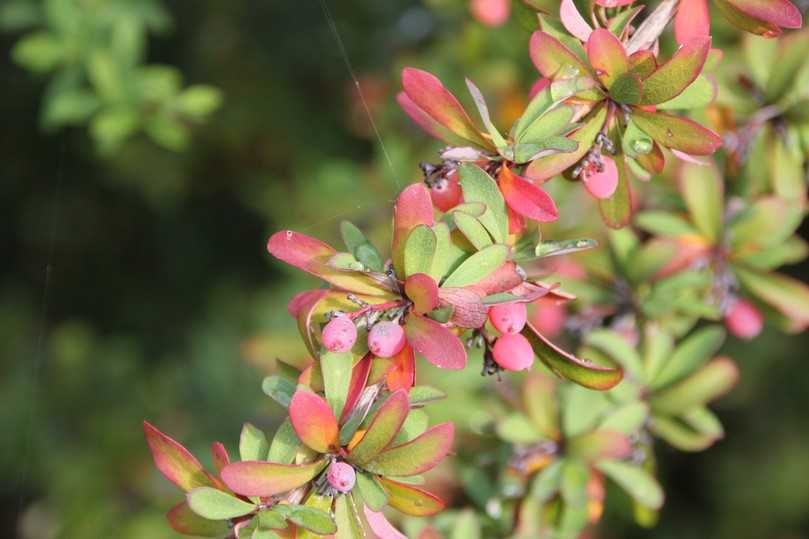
607,56
313,421
416,456
422,290
411,500
261,478
525,198
383,429
677,133
670,79
435,342
175,462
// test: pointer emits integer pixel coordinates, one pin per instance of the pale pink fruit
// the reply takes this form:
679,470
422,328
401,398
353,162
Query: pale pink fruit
341,476
446,192
340,334
743,319
491,12
513,352
508,317
602,184
386,339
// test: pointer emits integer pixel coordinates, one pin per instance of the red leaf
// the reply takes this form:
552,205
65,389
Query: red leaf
435,342
525,198
413,207
502,279
607,56
468,310
311,255
573,21
777,12
313,421
359,377
614,3
553,59
692,20
219,455
175,462
402,374
429,94
422,290
262,478
380,525
427,123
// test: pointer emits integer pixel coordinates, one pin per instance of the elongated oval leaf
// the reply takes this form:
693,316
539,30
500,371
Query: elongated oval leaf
411,500
607,56
478,266
478,186
413,207
416,456
574,369
253,443
383,428
313,421
419,250
175,462
215,504
673,77
337,368
527,199
472,229
708,383
693,352
677,133
635,480
347,519
183,520
435,342
380,525
260,478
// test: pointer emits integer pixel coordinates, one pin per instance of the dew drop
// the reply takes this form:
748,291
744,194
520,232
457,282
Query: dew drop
669,133
642,146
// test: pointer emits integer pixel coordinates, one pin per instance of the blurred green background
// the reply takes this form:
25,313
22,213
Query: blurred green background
135,283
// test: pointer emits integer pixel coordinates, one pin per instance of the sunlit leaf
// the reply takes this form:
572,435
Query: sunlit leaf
673,77
706,384
253,444
411,500
478,186
435,342
413,207
214,504
691,353
383,428
677,133
260,478
416,456
175,462
314,421
635,480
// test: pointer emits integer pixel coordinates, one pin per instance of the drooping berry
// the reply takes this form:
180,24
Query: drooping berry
446,192
743,319
339,335
513,352
508,317
386,339
341,476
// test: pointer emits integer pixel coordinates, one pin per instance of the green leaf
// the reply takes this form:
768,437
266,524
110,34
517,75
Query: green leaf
371,491
518,429
618,349
695,430
539,399
766,222
672,78
552,122
689,355
356,242
420,395
564,364
40,52
547,482
639,483
416,456
183,520
627,419
563,247
279,389
383,428
483,110
199,101
541,103
215,504
284,444
708,383
788,296
271,519
466,526
416,423
473,229
700,93
662,223
573,482
336,368
69,107
253,443
635,142
627,89
348,521
419,250
448,254
701,188
311,518
477,267
791,59
478,186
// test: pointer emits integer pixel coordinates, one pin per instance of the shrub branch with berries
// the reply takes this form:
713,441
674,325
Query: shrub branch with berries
484,263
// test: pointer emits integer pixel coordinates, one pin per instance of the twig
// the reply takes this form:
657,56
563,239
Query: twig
652,27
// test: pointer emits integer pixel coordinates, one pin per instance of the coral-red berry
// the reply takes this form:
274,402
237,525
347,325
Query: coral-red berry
446,192
513,352
508,317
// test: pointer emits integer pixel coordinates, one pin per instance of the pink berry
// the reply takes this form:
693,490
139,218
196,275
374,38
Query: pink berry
340,334
386,339
743,319
341,476
491,12
446,192
513,352
508,317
